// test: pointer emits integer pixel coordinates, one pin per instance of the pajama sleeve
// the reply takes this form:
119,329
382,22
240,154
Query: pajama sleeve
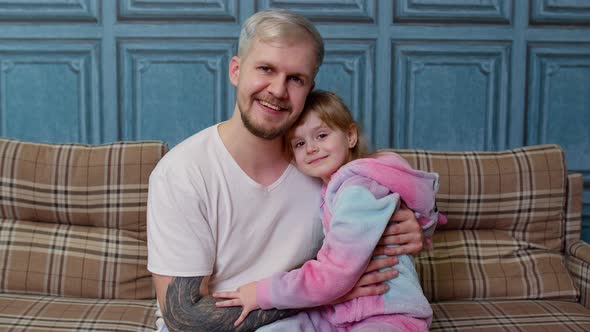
358,221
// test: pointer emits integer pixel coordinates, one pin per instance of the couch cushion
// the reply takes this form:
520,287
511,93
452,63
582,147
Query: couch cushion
521,191
505,235
491,264
28,313
73,218
522,316
89,185
76,261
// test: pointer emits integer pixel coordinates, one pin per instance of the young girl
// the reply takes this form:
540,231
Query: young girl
359,197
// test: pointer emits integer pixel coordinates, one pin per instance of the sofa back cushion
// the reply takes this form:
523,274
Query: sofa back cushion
73,218
506,225
74,184
520,191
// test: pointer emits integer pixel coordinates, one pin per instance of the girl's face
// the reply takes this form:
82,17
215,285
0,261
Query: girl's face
320,150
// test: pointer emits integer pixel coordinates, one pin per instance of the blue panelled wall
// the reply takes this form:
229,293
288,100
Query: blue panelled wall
429,74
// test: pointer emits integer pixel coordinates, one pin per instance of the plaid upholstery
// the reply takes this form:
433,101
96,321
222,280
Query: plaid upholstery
573,215
505,234
521,191
72,224
98,185
490,264
76,261
578,263
530,315
52,314
73,219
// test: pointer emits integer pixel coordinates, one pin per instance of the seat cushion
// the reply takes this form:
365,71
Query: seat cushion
490,264
45,314
41,258
521,316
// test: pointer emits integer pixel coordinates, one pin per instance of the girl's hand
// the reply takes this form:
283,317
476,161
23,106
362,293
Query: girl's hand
245,296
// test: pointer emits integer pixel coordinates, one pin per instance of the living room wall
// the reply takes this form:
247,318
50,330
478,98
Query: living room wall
426,74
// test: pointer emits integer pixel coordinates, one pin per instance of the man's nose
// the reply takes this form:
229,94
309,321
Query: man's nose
278,87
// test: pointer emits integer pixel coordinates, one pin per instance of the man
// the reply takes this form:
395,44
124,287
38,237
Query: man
226,207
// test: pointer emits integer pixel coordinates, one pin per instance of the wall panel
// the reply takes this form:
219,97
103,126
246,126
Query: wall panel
560,12
453,11
49,90
170,90
49,10
349,70
450,96
558,101
328,10
191,10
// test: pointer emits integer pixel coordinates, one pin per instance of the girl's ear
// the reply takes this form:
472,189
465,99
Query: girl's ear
352,136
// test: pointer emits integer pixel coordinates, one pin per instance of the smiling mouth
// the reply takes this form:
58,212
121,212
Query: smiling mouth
271,106
317,160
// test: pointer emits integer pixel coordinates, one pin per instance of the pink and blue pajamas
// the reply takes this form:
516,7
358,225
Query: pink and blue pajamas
358,203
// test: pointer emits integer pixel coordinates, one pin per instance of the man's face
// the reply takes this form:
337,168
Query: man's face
272,81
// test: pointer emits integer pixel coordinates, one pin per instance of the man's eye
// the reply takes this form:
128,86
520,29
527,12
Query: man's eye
296,79
264,69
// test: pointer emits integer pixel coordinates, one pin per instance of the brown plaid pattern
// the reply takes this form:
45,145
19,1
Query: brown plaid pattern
75,261
73,219
573,215
490,264
492,316
578,263
506,229
521,191
99,185
54,314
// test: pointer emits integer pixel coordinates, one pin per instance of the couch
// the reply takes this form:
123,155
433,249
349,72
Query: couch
73,249
73,239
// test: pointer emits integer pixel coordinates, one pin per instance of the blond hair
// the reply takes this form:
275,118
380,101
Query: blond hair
277,25
332,111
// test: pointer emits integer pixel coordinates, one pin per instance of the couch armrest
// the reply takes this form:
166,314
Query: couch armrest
578,264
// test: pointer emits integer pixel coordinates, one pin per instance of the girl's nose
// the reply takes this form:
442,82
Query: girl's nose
311,148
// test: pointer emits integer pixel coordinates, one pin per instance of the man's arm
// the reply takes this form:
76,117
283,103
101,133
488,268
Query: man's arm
186,306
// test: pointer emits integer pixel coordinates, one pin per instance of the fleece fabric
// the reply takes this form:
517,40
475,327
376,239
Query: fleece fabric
358,203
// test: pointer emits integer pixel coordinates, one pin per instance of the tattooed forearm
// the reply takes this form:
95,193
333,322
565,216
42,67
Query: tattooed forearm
187,310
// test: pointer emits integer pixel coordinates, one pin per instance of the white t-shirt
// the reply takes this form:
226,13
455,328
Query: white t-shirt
206,216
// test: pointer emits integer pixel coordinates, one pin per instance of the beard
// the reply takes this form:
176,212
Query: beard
268,133
265,133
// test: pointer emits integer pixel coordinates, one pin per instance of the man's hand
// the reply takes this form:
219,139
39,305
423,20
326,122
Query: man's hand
245,297
405,232
371,283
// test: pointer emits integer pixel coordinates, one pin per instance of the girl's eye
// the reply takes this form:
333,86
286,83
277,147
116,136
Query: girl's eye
322,136
298,145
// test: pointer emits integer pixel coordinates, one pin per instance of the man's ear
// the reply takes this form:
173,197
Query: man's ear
352,136
234,70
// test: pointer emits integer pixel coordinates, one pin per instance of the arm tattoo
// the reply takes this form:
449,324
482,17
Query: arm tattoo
187,310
